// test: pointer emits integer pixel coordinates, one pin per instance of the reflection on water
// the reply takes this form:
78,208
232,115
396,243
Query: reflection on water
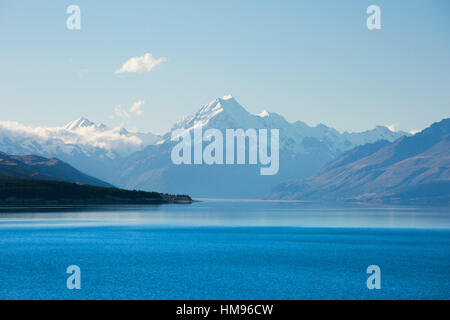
229,213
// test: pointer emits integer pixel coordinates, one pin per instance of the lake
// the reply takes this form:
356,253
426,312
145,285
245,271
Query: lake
218,249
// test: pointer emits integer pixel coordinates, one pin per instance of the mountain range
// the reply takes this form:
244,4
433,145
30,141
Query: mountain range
135,160
91,148
303,150
413,170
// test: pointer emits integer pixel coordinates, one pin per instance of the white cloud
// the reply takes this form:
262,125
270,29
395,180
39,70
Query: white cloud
125,114
146,63
120,112
52,138
136,108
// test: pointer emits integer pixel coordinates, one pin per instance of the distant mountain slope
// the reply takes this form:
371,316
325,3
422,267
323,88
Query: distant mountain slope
412,169
36,167
303,150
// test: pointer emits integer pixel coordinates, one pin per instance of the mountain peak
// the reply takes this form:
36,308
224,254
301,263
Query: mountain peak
227,97
226,100
221,112
226,104
83,122
264,114
79,123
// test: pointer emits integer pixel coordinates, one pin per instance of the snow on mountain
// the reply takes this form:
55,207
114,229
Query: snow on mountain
412,170
85,145
226,112
142,160
146,138
89,137
84,123
220,113
303,150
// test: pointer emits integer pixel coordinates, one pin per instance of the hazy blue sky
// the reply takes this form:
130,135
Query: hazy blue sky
314,61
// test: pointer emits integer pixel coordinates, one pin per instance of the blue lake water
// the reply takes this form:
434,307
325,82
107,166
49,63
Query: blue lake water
225,250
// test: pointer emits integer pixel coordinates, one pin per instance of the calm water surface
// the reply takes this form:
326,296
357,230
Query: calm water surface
225,250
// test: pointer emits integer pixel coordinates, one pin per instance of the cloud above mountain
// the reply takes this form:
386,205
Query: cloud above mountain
146,63
136,108
120,112
91,136
125,114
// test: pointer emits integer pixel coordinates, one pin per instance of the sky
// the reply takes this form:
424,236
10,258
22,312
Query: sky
314,61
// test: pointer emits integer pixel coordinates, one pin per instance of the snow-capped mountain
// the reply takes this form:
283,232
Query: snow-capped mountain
81,124
94,149
303,150
297,137
84,123
412,170
142,160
